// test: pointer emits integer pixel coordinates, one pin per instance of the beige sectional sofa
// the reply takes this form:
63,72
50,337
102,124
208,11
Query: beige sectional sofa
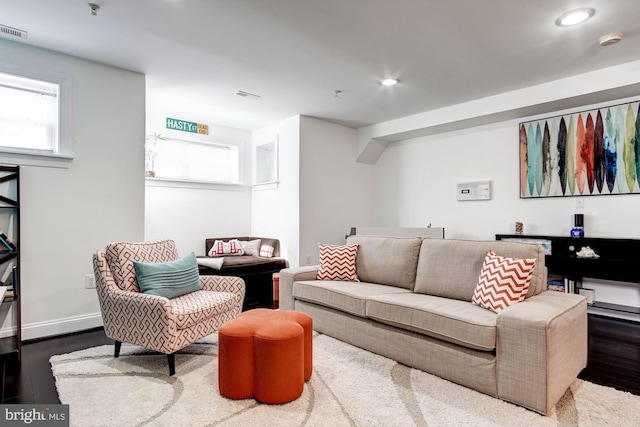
413,304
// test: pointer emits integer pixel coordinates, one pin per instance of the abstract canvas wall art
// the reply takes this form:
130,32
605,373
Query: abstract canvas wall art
590,153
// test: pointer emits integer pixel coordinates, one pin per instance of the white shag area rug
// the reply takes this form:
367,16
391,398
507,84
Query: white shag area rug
349,387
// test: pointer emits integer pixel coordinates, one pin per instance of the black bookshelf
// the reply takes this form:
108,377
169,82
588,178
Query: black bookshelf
10,255
619,260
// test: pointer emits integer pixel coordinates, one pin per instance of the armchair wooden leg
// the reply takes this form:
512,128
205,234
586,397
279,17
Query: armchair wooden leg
172,363
116,352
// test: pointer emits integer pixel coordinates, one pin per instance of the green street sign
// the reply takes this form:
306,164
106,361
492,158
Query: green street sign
185,126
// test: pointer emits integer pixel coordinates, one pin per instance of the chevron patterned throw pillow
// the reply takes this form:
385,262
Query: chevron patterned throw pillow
338,263
503,281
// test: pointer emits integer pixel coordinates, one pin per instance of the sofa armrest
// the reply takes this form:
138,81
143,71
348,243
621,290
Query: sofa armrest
290,275
232,284
541,347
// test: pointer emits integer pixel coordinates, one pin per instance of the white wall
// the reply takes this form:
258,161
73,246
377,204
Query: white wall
416,184
336,193
275,210
66,214
321,191
190,214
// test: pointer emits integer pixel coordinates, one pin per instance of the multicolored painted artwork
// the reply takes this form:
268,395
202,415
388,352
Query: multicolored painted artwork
590,153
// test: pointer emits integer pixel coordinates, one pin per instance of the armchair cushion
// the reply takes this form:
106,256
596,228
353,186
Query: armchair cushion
197,307
120,256
169,279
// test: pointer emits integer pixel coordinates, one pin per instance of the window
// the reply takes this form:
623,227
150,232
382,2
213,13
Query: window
28,114
266,163
33,117
180,160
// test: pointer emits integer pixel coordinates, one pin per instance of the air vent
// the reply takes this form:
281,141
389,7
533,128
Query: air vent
12,32
247,94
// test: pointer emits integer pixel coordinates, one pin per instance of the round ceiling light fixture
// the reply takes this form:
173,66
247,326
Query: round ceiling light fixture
575,17
389,82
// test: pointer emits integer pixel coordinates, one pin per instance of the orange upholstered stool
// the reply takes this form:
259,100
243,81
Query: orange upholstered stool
265,354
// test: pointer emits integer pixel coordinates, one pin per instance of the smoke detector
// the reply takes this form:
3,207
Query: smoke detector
609,39
94,8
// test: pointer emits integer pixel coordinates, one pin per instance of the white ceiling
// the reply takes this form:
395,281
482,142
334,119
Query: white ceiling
295,53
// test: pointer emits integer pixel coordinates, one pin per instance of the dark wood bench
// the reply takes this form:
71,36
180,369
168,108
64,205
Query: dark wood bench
256,271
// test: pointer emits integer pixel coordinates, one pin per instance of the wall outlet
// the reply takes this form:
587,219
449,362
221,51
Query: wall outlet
89,281
308,256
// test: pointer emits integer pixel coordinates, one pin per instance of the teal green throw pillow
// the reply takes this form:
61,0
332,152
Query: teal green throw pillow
168,279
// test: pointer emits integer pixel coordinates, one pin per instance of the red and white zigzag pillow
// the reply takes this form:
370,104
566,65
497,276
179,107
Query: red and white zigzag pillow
231,248
338,263
503,281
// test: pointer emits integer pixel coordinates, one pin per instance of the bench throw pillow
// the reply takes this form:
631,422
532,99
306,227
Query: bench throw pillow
338,263
231,248
503,281
251,247
168,279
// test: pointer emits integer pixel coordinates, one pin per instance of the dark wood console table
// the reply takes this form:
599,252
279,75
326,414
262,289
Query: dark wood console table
619,261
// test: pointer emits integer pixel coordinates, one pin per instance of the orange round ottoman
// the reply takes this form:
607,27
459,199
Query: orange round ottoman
265,354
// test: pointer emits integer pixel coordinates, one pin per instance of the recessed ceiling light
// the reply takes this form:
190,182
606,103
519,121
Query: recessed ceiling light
575,17
389,82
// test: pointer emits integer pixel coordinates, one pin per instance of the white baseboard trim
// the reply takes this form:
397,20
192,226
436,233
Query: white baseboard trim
55,327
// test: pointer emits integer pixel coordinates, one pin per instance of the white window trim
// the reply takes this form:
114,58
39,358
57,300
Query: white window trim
64,156
177,183
22,158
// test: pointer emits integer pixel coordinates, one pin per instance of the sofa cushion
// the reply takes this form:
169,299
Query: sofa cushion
338,262
450,268
387,260
244,266
503,282
349,297
451,320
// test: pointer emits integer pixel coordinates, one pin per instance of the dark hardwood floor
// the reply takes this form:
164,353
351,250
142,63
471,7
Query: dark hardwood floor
614,354
614,360
31,381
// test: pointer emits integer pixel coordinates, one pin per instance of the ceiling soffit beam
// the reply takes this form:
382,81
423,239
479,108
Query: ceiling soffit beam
599,86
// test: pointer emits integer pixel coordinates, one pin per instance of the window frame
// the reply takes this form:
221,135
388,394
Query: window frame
159,181
27,157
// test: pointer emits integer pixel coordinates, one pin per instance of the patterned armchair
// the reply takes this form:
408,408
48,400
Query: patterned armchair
154,322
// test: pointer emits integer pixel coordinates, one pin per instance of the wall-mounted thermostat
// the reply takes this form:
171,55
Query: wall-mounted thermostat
479,190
